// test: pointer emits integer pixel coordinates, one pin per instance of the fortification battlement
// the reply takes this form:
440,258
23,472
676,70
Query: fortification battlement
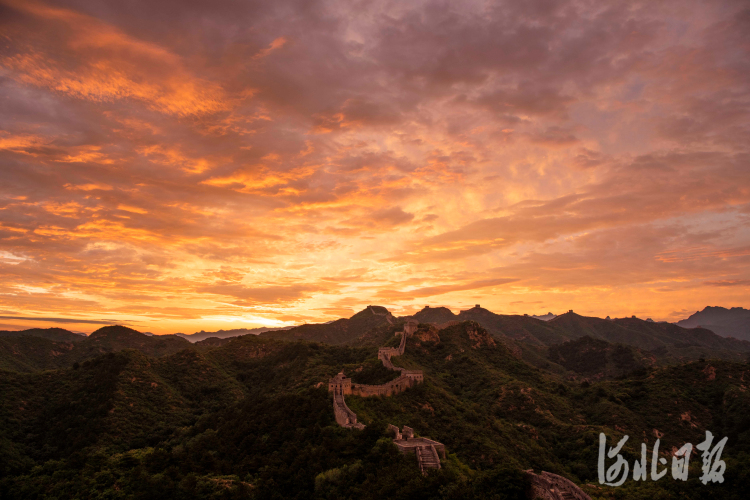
389,388
428,452
550,486
408,378
344,416
341,386
379,311
410,326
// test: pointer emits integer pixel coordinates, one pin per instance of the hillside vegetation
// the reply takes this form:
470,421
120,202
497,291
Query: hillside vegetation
251,418
28,352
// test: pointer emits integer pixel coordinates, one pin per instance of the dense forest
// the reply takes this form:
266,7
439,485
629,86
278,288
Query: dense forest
132,416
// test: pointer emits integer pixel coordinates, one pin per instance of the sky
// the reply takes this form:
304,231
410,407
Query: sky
178,166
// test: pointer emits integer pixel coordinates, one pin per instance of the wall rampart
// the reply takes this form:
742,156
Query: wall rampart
550,486
344,416
340,385
389,388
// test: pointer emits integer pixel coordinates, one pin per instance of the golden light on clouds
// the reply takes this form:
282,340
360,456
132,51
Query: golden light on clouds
184,167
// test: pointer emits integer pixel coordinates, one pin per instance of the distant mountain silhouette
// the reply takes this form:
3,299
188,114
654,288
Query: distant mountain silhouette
545,317
40,351
663,340
249,406
526,336
435,315
734,322
596,358
341,331
56,334
225,334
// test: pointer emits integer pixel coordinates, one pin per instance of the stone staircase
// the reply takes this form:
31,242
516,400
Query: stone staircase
428,458
553,487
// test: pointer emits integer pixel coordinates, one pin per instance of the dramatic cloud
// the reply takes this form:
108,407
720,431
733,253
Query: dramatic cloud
185,165
62,320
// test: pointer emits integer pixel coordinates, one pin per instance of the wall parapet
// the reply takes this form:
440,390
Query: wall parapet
344,416
340,385
550,486
428,452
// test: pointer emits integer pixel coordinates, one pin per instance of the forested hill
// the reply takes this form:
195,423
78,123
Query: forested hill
655,343
663,342
251,418
29,352
341,331
56,334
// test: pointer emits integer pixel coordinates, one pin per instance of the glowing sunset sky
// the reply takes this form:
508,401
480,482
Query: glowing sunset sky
188,165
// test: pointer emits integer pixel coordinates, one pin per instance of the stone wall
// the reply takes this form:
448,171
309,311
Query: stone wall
409,445
340,383
447,324
381,311
385,354
550,486
428,452
341,386
411,326
344,416
389,388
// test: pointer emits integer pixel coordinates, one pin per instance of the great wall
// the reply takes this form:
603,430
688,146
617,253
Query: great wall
548,486
428,452
545,485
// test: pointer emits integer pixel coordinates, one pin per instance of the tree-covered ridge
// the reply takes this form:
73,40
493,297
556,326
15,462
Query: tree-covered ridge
56,334
341,331
29,352
252,419
597,358
530,338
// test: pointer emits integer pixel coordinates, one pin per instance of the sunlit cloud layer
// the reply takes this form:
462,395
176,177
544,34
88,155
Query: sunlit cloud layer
180,166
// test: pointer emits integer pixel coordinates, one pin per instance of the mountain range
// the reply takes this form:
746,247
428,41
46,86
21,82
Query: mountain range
123,415
52,348
225,334
734,322
651,343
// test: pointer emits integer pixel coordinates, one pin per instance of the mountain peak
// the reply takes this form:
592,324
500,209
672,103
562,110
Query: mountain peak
372,311
734,322
476,310
434,315
115,330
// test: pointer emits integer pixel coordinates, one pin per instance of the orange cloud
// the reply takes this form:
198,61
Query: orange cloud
432,291
110,65
283,162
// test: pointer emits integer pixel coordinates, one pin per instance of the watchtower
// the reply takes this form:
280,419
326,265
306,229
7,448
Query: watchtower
340,384
411,326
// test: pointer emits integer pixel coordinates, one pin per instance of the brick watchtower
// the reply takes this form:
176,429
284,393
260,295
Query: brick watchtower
340,384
